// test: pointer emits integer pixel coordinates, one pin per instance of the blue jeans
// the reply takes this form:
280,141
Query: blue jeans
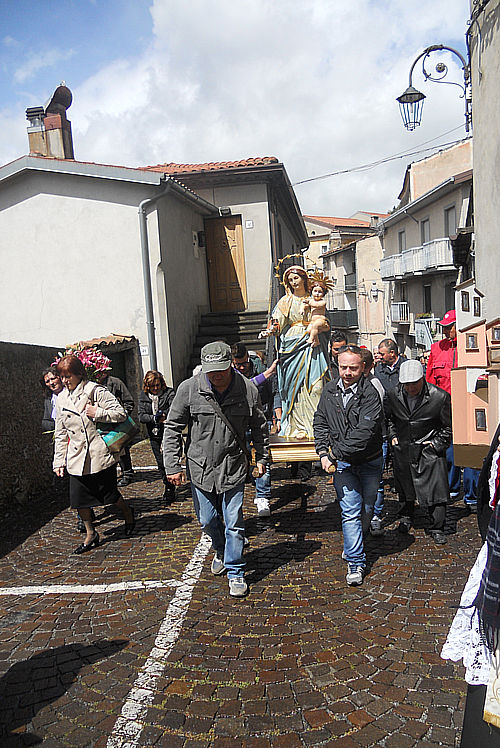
379,503
356,487
228,542
453,471
471,477
263,485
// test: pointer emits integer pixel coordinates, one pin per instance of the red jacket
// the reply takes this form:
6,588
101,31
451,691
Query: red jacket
442,359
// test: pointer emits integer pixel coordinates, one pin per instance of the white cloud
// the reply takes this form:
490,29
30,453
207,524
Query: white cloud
313,83
40,60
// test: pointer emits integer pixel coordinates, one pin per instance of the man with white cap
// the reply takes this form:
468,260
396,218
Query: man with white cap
219,406
419,429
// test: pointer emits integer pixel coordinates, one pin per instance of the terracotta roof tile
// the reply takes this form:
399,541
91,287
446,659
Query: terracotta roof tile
172,168
107,340
334,222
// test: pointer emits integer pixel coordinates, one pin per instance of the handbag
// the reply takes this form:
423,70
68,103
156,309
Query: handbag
116,436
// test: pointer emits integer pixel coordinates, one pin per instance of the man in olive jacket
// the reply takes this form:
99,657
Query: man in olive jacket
218,406
419,429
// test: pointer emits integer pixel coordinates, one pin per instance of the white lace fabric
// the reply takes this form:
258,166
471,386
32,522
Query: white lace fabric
464,640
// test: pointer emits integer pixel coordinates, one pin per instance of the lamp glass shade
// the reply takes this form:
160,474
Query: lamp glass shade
411,103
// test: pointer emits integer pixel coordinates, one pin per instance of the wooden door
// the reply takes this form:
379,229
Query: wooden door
226,264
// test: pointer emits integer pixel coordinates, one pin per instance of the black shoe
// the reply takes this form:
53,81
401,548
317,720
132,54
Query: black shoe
168,493
80,526
404,526
124,481
438,537
83,548
129,526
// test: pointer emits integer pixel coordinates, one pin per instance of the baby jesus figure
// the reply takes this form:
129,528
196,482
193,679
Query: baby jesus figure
315,304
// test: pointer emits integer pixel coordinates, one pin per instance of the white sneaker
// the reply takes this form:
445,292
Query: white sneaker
217,565
376,528
263,509
354,575
237,586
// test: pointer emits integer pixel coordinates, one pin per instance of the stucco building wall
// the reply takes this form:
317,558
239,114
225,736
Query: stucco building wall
433,170
485,70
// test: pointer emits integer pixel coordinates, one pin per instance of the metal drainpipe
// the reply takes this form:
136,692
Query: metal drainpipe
146,274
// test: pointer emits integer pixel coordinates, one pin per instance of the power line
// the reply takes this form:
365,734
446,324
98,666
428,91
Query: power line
373,164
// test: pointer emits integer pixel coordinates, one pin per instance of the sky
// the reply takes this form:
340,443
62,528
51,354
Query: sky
312,82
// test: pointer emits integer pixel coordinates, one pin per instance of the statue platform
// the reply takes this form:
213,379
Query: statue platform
286,449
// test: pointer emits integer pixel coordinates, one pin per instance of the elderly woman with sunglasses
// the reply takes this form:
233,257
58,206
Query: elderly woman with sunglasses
80,450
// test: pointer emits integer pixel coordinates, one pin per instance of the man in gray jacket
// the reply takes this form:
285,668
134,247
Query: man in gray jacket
218,406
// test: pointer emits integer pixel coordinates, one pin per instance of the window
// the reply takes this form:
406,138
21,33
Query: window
402,240
449,296
465,301
324,248
477,306
425,230
404,291
480,419
427,300
450,221
471,342
495,335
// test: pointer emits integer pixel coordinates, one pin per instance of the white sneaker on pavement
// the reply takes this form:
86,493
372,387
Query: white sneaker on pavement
263,509
354,576
217,565
237,586
376,528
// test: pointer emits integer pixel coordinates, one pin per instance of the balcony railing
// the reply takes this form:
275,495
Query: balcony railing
343,318
430,256
400,313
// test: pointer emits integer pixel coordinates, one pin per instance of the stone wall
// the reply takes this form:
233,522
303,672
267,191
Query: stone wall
25,453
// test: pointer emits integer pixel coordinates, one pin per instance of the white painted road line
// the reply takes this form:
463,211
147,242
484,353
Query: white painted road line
128,727
89,589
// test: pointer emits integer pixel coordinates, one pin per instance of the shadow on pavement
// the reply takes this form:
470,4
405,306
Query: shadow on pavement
22,521
30,685
263,561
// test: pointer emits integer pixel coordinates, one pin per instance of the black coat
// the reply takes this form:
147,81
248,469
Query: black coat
420,470
352,434
155,430
484,510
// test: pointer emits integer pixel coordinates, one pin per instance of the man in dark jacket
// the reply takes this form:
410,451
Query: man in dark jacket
219,406
387,371
270,399
348,434
419,429
120,391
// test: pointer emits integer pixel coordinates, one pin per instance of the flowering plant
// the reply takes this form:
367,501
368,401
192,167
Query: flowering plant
92,358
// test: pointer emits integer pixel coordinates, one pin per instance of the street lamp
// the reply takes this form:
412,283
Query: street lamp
411,102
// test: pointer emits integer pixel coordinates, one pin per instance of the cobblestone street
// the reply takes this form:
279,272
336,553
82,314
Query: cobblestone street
304,660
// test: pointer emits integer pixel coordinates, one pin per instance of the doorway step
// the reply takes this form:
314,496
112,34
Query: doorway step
233,327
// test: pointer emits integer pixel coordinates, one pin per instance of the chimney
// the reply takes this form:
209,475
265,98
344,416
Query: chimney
49,131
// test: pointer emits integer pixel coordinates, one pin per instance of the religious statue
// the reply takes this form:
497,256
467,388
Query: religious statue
301,328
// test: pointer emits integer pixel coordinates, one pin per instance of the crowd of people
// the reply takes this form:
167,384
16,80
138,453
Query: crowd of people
365,412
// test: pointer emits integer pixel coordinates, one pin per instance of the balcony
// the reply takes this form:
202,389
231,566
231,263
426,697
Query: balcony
431,256
349,282
400,313
342,319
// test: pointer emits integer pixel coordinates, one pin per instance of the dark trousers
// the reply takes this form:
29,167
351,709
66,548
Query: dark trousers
126,462
156,447
437,513
475,731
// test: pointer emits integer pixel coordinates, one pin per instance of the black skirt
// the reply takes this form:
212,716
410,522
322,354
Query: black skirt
95,489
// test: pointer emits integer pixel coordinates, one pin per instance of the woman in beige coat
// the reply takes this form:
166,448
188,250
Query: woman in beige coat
80,449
